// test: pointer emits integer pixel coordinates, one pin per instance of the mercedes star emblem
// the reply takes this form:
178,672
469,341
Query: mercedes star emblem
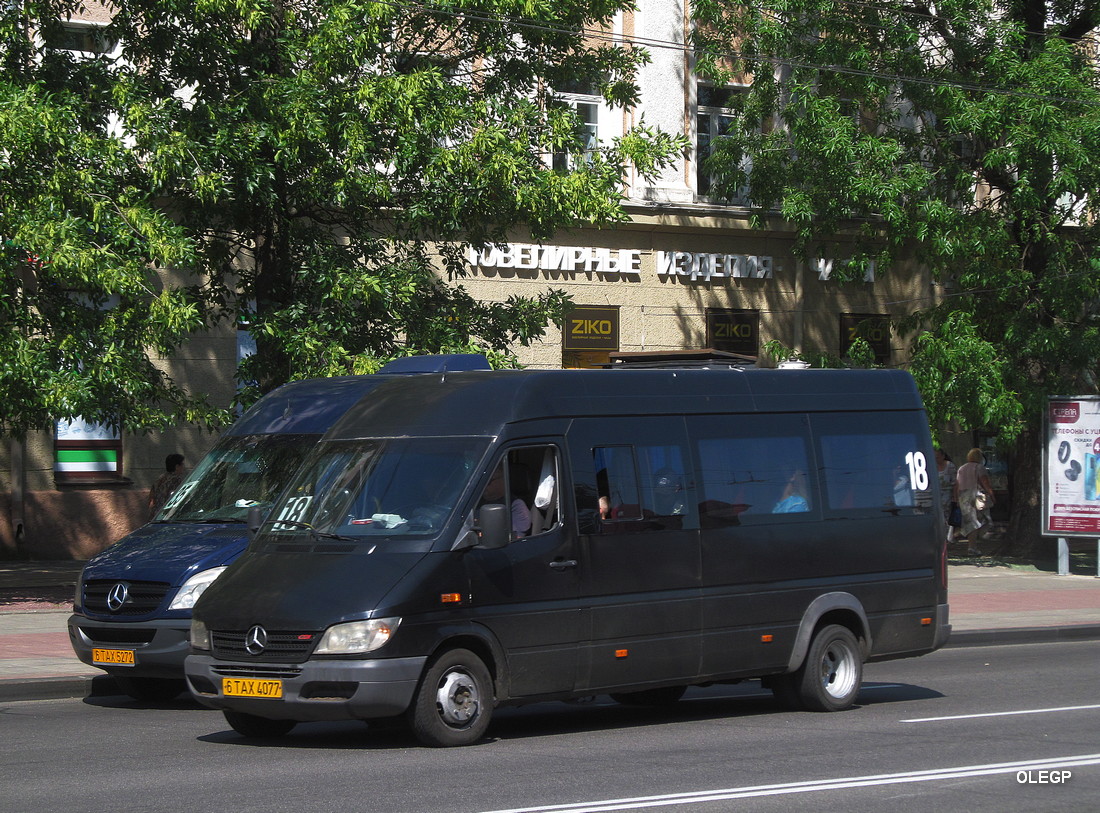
255,640
117,597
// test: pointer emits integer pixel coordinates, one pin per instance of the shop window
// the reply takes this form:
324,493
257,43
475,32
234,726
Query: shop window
734,331
872,328
87,453
589,335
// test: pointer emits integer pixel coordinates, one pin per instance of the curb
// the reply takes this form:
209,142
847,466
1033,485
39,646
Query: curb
1023,635
89,686
58,688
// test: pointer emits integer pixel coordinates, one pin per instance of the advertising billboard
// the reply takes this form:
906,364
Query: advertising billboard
1071,467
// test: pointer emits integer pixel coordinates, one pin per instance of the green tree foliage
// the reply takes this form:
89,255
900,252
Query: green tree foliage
314,169
964,132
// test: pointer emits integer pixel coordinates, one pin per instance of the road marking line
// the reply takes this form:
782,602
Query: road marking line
640,802
998,714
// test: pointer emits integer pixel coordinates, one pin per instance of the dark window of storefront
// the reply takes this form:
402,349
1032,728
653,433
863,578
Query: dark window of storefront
590,334
873,328
734,330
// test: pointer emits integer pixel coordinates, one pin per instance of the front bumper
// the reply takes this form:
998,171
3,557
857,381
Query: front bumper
313,690
159,646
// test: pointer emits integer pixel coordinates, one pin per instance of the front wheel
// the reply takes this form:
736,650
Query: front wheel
249,725
454,702
830,678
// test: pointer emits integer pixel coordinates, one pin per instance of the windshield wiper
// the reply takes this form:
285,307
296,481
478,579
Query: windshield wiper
313,532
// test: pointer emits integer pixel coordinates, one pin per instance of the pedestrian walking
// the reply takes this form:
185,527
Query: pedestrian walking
167,483
974,494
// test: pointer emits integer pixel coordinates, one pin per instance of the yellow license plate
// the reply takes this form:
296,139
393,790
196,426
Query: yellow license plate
113,657
252,687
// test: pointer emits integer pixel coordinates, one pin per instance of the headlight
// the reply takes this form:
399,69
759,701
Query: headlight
188,594
200,635
357,636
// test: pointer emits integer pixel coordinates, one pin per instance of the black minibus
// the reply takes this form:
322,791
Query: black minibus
466,540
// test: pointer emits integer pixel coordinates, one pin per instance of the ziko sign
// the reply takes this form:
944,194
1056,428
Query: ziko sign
1071,467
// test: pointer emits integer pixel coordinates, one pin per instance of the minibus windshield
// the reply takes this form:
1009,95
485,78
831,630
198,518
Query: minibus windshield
239,472
378,487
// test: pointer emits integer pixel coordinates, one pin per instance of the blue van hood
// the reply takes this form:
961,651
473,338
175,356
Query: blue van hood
302,591
168,552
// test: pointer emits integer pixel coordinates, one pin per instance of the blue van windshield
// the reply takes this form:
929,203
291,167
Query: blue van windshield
239,472
378,487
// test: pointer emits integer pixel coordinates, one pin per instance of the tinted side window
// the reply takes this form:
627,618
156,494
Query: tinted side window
753,468
640,487
874,463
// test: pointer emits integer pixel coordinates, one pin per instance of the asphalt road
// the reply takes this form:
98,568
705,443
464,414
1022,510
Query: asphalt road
986,728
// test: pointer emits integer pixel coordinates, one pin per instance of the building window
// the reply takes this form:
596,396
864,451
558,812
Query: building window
85,39
585,102
714,120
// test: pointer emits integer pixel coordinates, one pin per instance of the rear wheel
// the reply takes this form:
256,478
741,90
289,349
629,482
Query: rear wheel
665,696
454,702
831,675
249,725
151,688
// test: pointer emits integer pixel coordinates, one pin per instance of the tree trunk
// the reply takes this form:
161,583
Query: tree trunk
1024,539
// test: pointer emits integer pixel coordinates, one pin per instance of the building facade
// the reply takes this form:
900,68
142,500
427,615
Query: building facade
685,271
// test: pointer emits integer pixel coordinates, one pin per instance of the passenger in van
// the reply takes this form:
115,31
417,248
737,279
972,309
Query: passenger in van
793,499
494,494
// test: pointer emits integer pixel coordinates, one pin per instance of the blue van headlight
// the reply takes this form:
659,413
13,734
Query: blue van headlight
357,636
192,588
200,635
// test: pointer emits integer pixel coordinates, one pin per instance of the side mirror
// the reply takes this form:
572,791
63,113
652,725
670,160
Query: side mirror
255,520
495,523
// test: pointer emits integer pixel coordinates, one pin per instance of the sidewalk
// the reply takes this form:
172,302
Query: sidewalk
990,604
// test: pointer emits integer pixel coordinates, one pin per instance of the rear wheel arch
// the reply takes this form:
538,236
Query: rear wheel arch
842,609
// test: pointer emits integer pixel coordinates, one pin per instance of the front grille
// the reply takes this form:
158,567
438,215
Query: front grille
282,647
143,598
258,671
126,635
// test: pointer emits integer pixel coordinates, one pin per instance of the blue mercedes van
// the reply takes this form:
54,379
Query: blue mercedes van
132,609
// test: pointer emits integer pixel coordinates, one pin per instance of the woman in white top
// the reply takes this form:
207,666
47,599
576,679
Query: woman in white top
974,494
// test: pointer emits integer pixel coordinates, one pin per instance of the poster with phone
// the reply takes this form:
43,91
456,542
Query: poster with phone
1071,467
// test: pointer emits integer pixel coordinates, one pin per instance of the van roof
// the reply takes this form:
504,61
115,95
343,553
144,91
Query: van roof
482,403
310,406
